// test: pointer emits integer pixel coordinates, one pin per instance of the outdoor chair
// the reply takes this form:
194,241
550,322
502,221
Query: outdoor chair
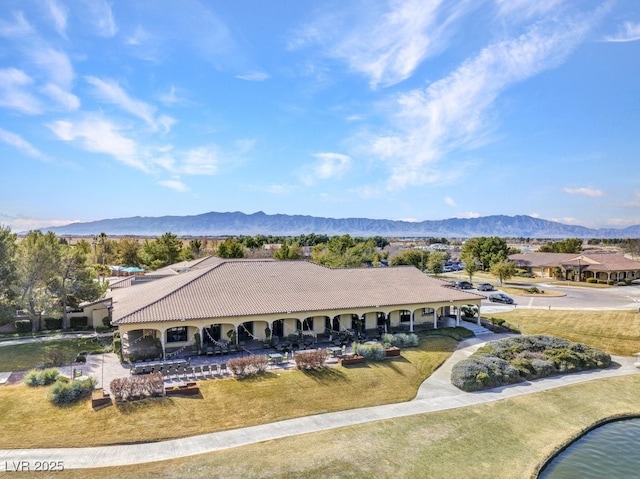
233,348
188,372
209,351
206,370
223,369
217,351
197,371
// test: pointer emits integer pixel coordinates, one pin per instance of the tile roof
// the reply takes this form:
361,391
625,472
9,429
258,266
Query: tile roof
254,287
588,262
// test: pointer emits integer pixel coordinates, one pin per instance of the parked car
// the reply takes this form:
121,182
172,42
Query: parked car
500,298
485,287
463,285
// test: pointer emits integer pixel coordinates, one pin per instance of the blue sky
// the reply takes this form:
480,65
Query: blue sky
409,109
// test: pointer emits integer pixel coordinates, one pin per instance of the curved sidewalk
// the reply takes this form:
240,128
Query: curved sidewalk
435,394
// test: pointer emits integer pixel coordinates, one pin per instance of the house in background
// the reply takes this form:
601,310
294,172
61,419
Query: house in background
579,267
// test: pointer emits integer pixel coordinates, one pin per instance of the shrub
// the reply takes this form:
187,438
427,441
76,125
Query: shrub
248,365
311,359
592,280
53,323
137,387
523,358
54,357
79,322
117,346
67,392
469,310
23,325
374,352
401,340
106,322
42,377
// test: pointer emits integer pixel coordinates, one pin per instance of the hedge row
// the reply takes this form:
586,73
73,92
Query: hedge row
248,365
523,358
137,387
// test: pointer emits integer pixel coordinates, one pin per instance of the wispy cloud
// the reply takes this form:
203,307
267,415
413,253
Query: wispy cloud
63,98
19,143
176,185
199,161
18,29
327,166
592,192
525,9
100,16
110,91
59,16
19,223
450,201
14,92
254,76
98,135
384,45
628,32
451,114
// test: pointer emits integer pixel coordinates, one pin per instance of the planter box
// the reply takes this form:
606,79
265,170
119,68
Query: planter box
189,389
392,352
351,360
100,399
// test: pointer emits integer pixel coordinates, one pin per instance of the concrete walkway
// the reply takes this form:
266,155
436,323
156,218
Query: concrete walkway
435,394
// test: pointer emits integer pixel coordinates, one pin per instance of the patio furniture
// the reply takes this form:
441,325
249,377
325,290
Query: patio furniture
275,358
209,351
206,370
223,369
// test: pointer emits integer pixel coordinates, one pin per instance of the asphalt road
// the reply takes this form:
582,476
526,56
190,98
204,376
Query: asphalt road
575,297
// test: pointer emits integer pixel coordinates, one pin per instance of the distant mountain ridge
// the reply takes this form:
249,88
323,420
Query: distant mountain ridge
237,223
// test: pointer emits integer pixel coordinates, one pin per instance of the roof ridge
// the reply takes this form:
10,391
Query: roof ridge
201,272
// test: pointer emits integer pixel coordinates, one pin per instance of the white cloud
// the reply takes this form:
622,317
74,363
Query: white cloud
59,15
450,201
525,9
19,29
98,135
19,223
55,64
628,32
171,97
101,17
65,99
20,144
199,161
469,215
327,166
384,45
592,192
567,220
176,185
254,76
14,94
110,91
451,114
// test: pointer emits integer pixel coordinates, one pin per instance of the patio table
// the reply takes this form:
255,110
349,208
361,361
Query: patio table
276,357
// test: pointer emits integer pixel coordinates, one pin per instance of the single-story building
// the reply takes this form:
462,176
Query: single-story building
213,300
578,267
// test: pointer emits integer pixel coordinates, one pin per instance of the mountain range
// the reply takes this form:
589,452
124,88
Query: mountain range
237,223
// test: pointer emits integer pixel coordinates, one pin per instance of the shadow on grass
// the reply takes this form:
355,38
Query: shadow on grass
326,375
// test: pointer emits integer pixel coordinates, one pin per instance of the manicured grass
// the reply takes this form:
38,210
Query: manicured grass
502,439
616,332
521,291
21,357
225,404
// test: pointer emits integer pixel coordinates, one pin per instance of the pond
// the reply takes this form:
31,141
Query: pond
610,450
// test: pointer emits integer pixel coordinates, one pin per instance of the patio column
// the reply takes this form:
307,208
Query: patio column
411,321
435,318
458,318
162,343
478,315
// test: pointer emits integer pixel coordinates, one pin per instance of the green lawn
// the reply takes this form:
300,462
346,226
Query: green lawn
224,404
616,332
21,357
503,439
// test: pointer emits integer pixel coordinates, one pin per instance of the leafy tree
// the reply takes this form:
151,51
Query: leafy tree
436,259
38,257
344,251
414,257
8,265
570,245
195,246
288,251
230,248
129,252
72,281
162,251
503,270
485,251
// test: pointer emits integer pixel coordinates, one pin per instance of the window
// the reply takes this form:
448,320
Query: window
307,324
405,316
175,335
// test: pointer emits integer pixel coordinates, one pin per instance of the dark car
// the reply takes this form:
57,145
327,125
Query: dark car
485,287
463,285
500,298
